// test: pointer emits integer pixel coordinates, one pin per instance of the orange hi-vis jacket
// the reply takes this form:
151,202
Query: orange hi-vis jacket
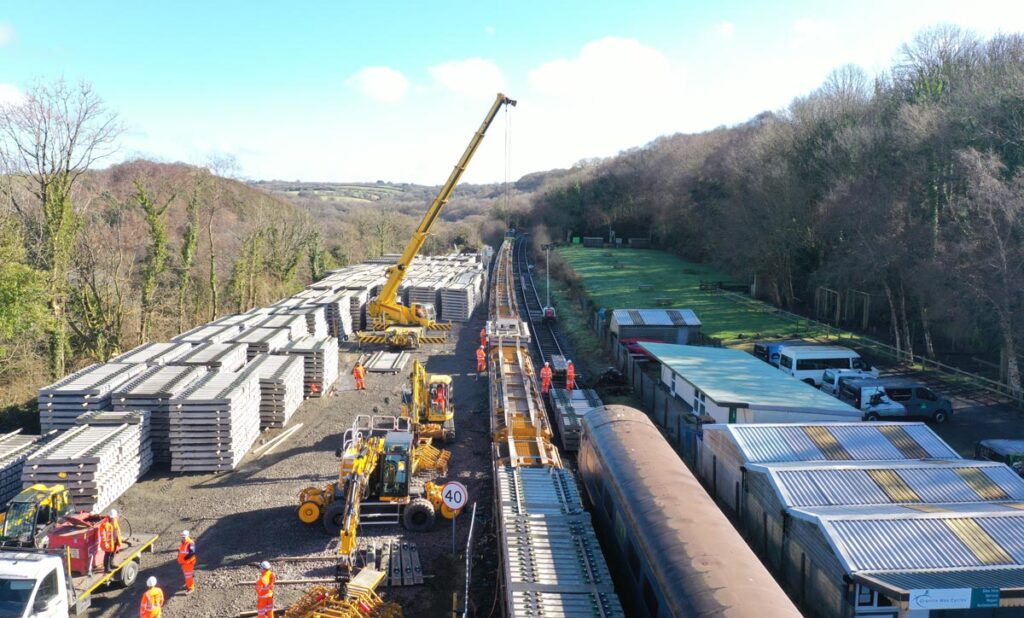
359,372
152,603
187,547
265,586
545,374
481,356
570,375
107,541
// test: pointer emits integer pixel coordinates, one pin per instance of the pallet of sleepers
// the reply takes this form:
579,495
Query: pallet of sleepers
96,462
458,301
153,354
281,387
357,299
570,407
384,361
15,448
89,389
241,320
315,316
260,340
320,362
208,333
216,356
294,325
152,391
215,422
337,310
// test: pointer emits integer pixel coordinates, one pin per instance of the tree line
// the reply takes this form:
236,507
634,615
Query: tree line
96,261
906,188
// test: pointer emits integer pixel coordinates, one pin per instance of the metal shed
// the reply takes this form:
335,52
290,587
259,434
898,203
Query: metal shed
669,325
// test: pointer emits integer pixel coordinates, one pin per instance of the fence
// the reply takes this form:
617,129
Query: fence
831,333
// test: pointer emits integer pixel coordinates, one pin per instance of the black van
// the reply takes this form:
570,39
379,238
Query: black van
918,400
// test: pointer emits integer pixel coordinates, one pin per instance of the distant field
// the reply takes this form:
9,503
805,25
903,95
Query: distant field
613,278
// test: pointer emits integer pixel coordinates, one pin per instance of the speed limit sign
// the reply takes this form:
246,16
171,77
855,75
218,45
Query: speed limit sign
454,495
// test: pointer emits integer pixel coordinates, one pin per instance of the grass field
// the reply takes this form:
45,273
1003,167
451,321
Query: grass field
613,278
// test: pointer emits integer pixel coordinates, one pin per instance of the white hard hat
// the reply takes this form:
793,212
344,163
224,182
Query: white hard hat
151,582
184,533
546,363
265,565
113,512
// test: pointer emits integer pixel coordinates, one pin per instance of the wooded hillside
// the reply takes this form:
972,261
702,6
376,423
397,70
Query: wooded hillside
907,188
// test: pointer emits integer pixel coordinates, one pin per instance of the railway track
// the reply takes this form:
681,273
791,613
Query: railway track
548,345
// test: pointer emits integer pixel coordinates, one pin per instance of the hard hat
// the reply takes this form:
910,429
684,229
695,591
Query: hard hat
265,565
113,512
184,534
546,363
150,582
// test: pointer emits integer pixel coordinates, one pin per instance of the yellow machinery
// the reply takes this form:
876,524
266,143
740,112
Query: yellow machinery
404,326
33,513
375,485
429,404
359,600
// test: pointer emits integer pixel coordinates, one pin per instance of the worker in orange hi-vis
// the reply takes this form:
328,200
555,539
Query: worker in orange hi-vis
152,600
187,560
570,376
481,361
439,398
359,373
483,337
545,379
108,543
265,591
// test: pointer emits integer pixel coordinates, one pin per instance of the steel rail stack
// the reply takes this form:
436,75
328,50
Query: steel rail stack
551,563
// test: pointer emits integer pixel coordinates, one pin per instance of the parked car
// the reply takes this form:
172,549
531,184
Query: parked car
832,380
1009,452
809,362
768,351
918,400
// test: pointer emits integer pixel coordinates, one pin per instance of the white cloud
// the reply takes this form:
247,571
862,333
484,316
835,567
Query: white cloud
727,30
6,34
380,83
470,77
9,94
808,30
617,93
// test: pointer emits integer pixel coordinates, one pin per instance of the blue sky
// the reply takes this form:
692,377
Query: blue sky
373,90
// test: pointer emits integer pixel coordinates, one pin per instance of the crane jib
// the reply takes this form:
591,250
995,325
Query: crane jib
385,303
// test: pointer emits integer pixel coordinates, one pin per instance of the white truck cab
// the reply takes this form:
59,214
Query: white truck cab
33,585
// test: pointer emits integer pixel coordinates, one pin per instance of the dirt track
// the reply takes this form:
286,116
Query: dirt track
248,515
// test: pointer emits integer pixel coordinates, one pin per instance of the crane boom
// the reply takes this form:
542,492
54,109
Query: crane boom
385,307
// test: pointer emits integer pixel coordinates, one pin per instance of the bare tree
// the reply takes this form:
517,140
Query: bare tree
49,139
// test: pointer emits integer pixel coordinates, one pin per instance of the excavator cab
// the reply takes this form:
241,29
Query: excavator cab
33,513
396,467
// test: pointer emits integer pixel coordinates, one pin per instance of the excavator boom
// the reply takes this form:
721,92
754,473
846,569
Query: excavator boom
385,309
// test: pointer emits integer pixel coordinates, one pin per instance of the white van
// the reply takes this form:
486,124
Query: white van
809,362
832,379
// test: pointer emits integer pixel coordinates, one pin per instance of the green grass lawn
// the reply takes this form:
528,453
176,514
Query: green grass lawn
613,278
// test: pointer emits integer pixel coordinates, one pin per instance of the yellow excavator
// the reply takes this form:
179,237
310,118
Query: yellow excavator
407,326
33,513
428,404
376,484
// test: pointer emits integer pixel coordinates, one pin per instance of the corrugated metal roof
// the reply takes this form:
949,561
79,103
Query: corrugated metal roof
734,377
1005,578
861,484
655,317
897,538
766,443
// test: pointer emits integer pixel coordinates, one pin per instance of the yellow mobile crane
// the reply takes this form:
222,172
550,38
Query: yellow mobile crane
429,404
404,326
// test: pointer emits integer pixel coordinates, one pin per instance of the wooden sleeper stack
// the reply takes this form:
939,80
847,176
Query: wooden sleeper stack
216,422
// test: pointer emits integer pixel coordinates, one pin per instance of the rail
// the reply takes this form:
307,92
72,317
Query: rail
545,336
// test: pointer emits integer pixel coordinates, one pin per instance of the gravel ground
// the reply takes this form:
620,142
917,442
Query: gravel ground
248,515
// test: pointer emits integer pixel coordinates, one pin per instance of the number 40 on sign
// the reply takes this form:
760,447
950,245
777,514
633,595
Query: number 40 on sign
455,496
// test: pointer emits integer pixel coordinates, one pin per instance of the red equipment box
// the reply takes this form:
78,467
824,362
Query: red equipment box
80,533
